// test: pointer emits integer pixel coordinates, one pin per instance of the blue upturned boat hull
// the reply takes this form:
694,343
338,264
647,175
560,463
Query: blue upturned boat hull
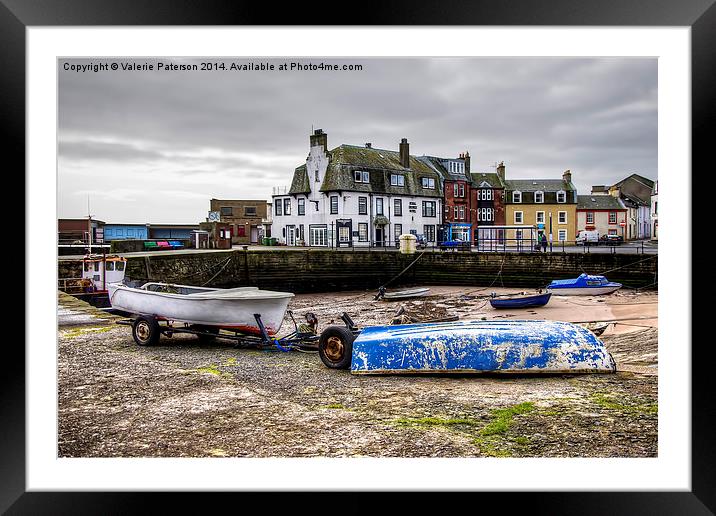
480,347
521,301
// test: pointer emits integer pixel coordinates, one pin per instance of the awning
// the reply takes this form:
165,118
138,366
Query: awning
380,220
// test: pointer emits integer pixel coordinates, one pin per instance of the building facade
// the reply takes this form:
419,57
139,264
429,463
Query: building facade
126,232
357,196
488,191
655,211
458,213
603,213
549,205
635,192
245,218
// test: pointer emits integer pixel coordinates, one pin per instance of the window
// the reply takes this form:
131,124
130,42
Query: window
562,235
249,211
612,231
540,217
379,206
334,204
656,206
361,176
398,207
428,182
517,197
539,197
518,217
462,190
612,217
120,266
486,214
109,266
317,176
429,232
362,232
462,212
227,211
287,206
301,206
561,217
318,235
397,180
428,208
455,190
278,204
485,194
455,213
561,196
362,206
590,217
397,231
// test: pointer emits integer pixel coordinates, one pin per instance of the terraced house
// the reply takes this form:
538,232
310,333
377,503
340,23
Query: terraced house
357,195
547,204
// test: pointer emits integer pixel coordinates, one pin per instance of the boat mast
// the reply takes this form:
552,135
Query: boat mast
89,225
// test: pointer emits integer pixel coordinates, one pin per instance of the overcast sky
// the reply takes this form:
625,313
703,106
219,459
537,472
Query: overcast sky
155,146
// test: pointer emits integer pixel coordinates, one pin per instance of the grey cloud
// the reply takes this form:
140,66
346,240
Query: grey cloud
597,117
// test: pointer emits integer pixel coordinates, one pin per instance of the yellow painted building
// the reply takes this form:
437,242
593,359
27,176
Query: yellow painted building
532,202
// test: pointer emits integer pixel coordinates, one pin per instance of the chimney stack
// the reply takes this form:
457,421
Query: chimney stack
501,171
319,138
467,162
404,153
567,176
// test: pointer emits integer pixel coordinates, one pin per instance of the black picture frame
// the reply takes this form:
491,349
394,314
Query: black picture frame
700,15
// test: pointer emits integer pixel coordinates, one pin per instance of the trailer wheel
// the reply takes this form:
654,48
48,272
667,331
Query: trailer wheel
145,331
335,347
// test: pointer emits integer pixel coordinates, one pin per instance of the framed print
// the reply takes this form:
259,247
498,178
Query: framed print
387,190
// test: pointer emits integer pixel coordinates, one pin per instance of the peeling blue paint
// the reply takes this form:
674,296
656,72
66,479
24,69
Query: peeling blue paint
480,346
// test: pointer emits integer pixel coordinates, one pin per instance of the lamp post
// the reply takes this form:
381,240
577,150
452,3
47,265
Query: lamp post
550,231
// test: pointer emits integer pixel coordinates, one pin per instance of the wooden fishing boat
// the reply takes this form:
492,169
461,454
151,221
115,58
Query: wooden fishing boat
405,294
233,308
584,285
467,347
521,300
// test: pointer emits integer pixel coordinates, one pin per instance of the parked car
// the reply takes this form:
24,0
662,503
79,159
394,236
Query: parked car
587,237
456,245
612,239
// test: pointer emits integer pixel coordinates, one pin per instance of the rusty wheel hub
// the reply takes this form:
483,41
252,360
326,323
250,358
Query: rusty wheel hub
143,330
334,349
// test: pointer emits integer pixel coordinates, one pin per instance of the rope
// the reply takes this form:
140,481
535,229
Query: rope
627,265
220,271
401,272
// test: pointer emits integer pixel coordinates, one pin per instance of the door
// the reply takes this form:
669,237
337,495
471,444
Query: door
379,237
290,235
345,228
254,234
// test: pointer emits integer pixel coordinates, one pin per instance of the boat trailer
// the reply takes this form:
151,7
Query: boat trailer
146,331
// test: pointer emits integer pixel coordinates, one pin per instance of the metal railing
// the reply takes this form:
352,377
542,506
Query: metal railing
510,245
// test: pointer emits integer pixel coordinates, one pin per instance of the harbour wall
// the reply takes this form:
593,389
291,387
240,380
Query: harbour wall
314,270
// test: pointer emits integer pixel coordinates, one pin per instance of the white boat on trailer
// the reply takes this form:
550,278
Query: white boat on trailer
233,309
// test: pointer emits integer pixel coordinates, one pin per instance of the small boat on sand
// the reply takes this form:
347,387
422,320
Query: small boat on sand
522,347
232,308
584,285
397,295
521,300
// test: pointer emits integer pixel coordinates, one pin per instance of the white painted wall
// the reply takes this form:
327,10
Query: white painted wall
318,208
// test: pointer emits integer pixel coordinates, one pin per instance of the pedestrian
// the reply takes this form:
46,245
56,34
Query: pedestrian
544,243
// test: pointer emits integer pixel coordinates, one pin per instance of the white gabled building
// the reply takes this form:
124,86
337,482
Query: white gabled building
655,211
357,195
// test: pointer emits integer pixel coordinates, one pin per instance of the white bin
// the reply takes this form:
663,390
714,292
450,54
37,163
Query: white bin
407,244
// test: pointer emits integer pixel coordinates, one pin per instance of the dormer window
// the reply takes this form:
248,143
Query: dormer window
361,176
428,182
561,196
539,197
517,197
397,180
